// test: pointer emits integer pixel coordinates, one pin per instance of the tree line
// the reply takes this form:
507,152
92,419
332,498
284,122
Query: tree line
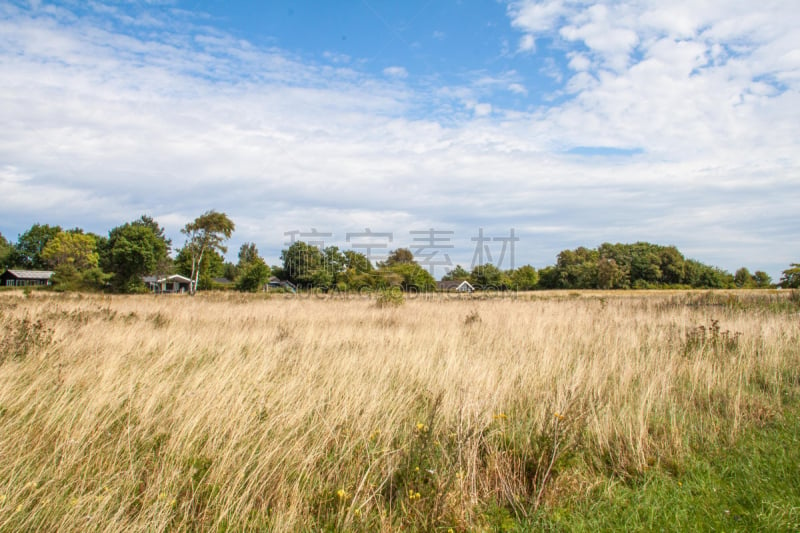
119,261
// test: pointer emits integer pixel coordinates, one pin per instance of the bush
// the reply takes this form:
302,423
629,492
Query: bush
392,297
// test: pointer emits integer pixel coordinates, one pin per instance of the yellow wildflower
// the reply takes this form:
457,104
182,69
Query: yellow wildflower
2,498
500,416
342,494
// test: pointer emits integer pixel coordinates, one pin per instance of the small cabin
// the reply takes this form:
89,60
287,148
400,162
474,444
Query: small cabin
26,278
455,286
174,284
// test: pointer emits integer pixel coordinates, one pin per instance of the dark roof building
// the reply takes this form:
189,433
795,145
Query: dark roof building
455,286
23,278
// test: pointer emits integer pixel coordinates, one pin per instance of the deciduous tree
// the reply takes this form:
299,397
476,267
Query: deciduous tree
791,277
207,232
70,248
31,243
134,250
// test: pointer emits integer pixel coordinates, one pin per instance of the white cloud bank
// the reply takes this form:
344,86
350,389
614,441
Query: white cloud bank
101,125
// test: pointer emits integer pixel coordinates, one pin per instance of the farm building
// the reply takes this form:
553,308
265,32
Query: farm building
24,278
455,286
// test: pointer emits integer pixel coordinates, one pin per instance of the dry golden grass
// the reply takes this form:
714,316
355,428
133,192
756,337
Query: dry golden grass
243,412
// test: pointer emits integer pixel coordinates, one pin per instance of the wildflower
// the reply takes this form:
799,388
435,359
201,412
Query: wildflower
2,498
173,502
500,416
374,435
342,494
558,416
357,512
19,507
162,496
416,469
422,428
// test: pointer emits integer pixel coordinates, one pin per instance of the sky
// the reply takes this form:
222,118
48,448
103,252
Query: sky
466,131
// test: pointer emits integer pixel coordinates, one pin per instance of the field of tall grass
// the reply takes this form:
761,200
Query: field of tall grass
245,412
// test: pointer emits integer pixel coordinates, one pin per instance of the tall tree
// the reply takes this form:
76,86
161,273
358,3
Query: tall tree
207,232
525,278
744,279
488,277
133,250
149,222
247,254
213,266
399,257
762,279
303,264
31,243
253,275
6,252
70,248
791,277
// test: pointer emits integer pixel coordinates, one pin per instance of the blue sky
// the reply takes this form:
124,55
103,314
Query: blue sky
574,122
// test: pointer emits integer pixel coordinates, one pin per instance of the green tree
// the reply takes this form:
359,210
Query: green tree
213,266
399,257
247,254
408,276
459,273
744,279
791,277
31,243
549,278
134,250
149,222
6,253
70,248
358,271
253,276
577,269
524,278
609,274
487,277
762,279
207,232
74,258
301,262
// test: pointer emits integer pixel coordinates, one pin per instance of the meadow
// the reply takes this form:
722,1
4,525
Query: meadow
545,410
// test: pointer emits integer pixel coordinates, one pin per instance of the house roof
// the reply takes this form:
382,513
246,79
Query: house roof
31,274
172,278
453,284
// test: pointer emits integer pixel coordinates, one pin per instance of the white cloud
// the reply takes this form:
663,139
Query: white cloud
115,124
518,88
482,110
396,72
527,43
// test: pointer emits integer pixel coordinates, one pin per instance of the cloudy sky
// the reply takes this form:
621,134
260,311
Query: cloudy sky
572,122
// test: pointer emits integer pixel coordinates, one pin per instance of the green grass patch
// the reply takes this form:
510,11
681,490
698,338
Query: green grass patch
753,485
